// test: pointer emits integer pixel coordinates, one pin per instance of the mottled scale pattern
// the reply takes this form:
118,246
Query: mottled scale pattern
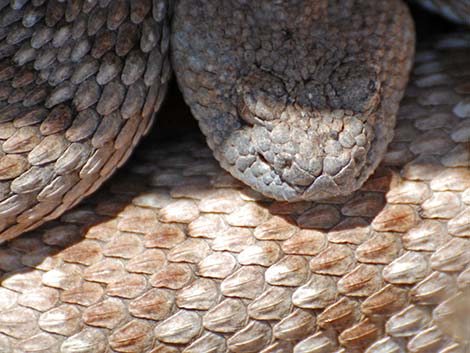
454,10
175,255
79,82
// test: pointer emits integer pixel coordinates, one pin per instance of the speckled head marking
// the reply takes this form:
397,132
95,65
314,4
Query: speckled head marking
297,98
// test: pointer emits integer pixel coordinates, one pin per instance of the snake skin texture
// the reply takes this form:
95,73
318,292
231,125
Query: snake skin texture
297,98
175,255
79,83
455,10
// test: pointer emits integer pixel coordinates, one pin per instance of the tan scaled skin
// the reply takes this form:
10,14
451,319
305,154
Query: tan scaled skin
296,98
175,255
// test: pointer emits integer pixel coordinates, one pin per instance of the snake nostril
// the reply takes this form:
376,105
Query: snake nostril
263,159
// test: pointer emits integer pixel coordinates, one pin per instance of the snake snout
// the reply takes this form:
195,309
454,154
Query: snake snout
295,146
318,156
303,155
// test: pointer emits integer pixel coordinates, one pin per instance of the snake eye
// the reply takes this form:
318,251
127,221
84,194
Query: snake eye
356,87
261,98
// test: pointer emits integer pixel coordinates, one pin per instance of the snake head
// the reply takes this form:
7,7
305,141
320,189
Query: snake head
297,99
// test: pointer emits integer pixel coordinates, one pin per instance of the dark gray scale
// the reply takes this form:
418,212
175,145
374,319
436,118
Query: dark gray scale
79,83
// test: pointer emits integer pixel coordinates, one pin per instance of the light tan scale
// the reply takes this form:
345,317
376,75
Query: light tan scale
175,255
79,83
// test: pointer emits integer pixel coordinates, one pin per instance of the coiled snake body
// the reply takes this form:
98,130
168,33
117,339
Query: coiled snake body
177,255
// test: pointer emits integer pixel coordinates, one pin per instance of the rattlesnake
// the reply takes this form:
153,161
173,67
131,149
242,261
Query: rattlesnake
176,255
80,84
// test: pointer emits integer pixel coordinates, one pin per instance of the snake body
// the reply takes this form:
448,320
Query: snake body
455,10
79,86
175,255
